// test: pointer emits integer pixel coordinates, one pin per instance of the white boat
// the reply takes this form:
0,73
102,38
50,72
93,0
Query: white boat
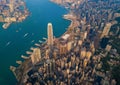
25,35
8,43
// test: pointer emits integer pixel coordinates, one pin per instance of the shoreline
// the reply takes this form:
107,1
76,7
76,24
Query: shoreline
6,25
67,16
73,21
69,31
11,12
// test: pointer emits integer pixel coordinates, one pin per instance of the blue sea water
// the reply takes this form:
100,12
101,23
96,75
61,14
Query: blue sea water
13,43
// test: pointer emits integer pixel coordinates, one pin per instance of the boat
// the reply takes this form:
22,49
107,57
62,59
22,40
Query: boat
8,43
6,25
25,35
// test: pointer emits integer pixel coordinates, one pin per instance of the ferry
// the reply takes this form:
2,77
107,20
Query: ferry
6,25
25,35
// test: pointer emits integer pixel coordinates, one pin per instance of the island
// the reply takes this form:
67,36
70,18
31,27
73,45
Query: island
86,54
12,11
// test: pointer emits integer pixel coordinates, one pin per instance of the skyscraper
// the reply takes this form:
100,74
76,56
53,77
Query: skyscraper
36,56
106,30
11,5
50,34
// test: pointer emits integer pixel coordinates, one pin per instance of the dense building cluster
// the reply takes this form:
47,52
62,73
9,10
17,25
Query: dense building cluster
64,60
70,4
98,13
12,11
76,58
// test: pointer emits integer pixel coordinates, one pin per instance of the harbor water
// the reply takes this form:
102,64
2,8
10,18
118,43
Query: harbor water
19,37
